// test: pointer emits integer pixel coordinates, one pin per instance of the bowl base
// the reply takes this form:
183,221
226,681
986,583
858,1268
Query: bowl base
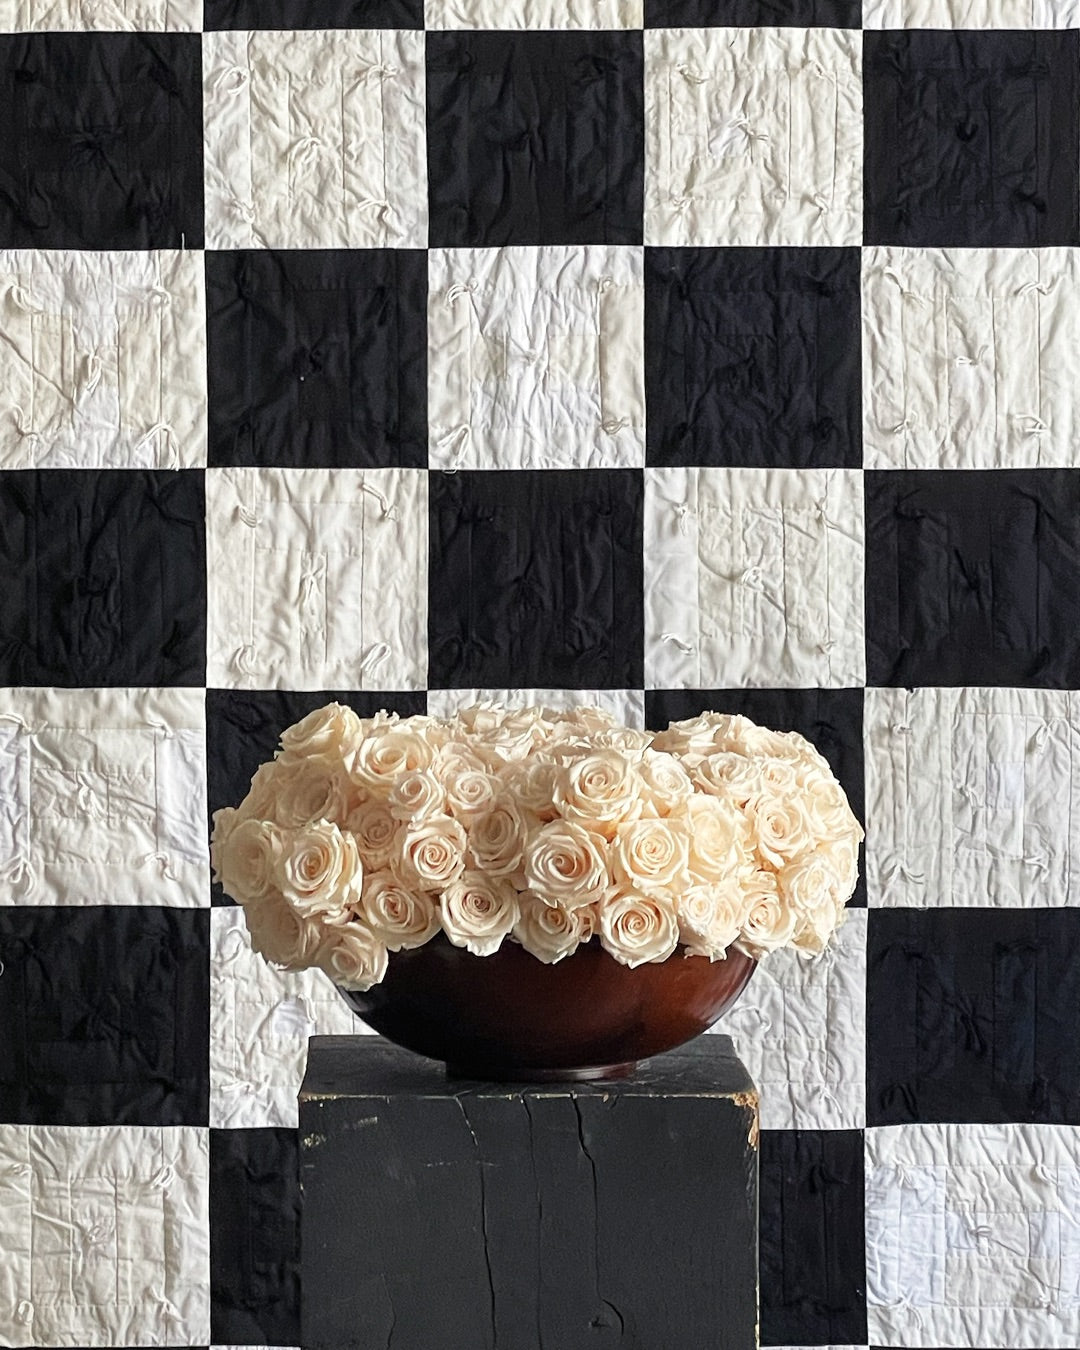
509,1073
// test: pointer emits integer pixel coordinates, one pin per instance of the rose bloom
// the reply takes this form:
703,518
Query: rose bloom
381,759
281,934
312,788
319,871
377,831
246,858
415,796
711,917
261,799
497,838
626,740
433,853
398,916
600,790
769,922
665,784
635,928
720,838
649,852
478,911
727,774
826,803
564,864
781,827
469,792
531,784
334,729
353,957
550,932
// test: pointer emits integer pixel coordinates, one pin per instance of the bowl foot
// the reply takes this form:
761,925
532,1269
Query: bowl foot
510,1073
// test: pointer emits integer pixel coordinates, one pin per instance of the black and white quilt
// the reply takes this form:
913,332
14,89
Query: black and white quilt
664,354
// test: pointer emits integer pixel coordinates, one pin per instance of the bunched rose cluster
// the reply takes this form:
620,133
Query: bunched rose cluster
364,836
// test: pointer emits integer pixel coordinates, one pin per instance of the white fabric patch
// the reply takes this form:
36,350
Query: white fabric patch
971,13
608,14
753,136
317,578
260,1021
315,139
103,363
117,1223
800,1029
536,358
969,358
973,1235
628,705
118,16
753,577
996,770
103,797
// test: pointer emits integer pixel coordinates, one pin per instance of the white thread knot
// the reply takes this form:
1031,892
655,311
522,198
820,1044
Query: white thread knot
461,436
750,576
897,867
238,74
459,288
162,858
375,655
682,512
678,641
389,511
1032,425
1043,287
241,660
249,517
306,148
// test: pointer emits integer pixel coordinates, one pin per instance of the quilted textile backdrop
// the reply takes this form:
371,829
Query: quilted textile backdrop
558,352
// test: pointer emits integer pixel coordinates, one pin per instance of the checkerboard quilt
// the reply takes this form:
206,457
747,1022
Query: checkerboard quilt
664,354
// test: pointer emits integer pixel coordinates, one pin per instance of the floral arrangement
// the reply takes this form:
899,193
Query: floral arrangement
547,828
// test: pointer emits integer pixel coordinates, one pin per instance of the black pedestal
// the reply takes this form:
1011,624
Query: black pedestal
460,1215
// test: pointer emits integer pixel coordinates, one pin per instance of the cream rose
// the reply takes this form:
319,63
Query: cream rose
319,871
398,916
261,799
769,922
478,911
550,932
665,784
354,958
378,833
711,917
497,838
415,796
433,852
532,786
381,759
781,827
720,838
469,792
333,729
649,852
564,864
598,789
281,934
727,774
247,857
312,788
637,928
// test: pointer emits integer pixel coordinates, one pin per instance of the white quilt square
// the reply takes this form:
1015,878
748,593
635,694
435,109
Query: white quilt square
317,578
971,13
116,16
753,136
315,139
260,1021
753,577
627,705
103,797
969,358
105,1232
973,1236
800,1028
535,358
603,14
103,362
996,770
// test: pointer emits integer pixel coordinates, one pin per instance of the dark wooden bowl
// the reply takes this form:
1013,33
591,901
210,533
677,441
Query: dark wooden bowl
510,1017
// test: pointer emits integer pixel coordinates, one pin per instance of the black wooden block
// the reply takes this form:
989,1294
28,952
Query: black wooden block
463,1215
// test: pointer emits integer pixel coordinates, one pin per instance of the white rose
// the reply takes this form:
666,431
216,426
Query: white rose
532,786
469,792
377,831
781,827
354,958
842,858
261,799
312,788
599,789
649,852
433,852
478,911
415,796
550,932
728,774
497,838
480,718
636,928
665,783
826,803
711,917
281,934
693,737
397,916
381,759
626,740
246,858
769,922
564,864
720,838
319,871
334,729
587,719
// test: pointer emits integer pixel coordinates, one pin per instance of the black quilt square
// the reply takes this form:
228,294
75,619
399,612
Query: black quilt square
752,357
102,143
106,1015
971,577
753,14
971,1016
535,138
536,579
243,727
255,1237
104,577
812,1255
317,358
296,14
972,138
831,719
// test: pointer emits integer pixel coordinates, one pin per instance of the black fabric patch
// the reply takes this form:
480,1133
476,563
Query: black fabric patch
812,1244
317,358
831,719
243,728
104,577
753,357
970,1015
536,579
102,143
753,14
105,1015
255,1237
535,138
972,138
971,577
296,14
